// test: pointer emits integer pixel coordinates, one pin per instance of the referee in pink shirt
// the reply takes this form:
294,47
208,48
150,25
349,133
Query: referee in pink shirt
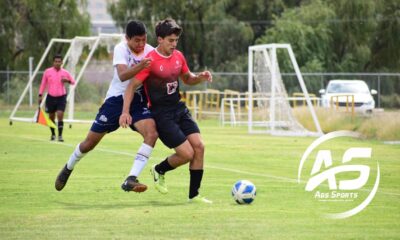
53,80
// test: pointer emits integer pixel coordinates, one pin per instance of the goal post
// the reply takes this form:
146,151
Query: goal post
269,110
73,59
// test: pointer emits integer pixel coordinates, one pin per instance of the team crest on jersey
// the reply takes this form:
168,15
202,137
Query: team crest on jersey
161,68
177,64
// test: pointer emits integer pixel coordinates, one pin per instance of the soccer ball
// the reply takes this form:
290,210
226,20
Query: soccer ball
244,192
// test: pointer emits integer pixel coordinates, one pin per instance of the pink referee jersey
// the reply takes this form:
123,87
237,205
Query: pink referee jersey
52,81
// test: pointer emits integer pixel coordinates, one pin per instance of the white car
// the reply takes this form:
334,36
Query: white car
337,90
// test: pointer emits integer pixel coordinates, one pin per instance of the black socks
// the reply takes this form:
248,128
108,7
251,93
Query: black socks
60,128
163,167
53,133
195,182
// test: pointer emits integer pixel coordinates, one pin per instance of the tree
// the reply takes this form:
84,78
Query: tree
336,35
27,26
385,50
307,30
210,38
353,28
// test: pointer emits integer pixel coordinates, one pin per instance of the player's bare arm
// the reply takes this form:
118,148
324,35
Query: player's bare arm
125,73
190,78
126,119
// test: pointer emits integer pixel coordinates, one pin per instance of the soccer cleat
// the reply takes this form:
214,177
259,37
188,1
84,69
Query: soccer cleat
62,178
159,180
199,199
60,139
53,137
132,184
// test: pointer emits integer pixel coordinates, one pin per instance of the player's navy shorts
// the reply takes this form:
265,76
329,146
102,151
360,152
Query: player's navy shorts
54,104
174,124
107,119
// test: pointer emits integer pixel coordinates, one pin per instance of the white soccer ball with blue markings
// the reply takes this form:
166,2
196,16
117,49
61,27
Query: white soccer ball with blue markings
244,192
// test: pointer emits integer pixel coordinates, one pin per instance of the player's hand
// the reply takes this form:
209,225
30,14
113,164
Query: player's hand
145,63
125,120
65,80
205,76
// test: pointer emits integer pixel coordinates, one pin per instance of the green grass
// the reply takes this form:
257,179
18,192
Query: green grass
92,206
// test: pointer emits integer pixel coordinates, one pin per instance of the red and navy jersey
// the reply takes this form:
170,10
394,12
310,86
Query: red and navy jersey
161,79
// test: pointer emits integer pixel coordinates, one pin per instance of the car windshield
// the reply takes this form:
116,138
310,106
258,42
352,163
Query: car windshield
356,87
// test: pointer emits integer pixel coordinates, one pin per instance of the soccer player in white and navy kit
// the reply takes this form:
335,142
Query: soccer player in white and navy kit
128,60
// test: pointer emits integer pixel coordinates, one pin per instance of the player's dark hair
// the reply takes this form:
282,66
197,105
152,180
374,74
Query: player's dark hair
167,27
59,56
135,28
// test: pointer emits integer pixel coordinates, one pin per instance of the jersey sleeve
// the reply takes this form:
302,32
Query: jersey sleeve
185,67
44,83
142,75
70,78
119,56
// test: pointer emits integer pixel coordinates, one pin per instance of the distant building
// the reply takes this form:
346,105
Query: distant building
101,20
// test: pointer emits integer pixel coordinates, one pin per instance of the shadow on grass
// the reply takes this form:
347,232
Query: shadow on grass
79,206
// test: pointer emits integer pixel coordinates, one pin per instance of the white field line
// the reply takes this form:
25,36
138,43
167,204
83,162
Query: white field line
284,179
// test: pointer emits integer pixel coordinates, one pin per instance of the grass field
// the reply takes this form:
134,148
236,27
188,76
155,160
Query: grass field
92,206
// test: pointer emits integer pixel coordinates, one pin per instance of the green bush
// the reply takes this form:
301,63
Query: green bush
390,101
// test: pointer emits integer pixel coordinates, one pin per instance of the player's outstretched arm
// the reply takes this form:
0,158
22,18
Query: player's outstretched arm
126,119
190,78
125,73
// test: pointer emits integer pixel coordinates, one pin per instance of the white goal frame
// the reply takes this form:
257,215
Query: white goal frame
95,41
271,125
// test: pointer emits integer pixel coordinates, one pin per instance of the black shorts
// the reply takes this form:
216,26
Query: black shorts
174,124
54,104
107,119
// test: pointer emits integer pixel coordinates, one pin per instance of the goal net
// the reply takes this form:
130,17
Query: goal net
269,109
91,73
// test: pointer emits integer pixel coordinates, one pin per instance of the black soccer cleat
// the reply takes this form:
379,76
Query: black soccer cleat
62,178
132,184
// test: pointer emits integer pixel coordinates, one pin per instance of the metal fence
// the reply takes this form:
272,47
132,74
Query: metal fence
12,84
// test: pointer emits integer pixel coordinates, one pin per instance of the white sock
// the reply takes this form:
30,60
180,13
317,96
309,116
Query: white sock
75,157
141,159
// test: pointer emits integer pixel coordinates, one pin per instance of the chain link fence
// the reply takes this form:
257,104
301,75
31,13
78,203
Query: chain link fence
91,89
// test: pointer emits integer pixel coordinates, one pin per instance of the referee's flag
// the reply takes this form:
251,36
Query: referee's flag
43,119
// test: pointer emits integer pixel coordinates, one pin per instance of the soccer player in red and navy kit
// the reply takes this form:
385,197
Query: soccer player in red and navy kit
175,126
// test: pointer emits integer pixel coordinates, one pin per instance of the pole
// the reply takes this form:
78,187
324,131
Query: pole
379,91
8,84
30,84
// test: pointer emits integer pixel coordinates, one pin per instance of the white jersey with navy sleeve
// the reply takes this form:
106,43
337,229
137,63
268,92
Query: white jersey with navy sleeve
123,55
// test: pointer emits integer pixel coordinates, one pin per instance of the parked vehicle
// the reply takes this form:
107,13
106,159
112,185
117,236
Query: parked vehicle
341,92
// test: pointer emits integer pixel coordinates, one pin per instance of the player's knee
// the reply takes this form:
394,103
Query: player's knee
151,137
87,145
199,147
187,154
